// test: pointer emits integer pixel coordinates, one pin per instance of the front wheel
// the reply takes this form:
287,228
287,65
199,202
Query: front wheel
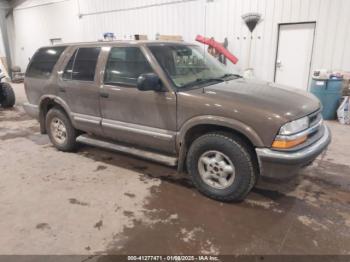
221,167
7,96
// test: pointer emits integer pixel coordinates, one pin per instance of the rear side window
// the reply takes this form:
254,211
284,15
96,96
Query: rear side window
85,64
67,73
43,62
125,65
82,64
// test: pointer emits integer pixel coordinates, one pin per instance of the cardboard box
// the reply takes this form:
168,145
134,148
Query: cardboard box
170,37
141,37
346,87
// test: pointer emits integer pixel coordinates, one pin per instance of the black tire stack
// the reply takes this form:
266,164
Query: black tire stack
7,96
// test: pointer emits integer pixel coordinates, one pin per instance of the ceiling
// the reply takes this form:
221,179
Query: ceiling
12,3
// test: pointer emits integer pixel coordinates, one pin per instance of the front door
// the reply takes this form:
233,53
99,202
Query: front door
142,118
78,86
294,54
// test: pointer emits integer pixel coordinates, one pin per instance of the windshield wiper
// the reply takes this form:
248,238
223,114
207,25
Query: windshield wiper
230,75
200,81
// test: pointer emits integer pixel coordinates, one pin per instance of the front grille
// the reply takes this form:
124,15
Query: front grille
316,129
314,118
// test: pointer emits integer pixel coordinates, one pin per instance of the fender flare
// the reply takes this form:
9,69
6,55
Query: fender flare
233,124
58,101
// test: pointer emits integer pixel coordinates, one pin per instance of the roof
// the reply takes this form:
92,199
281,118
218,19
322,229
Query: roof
131,42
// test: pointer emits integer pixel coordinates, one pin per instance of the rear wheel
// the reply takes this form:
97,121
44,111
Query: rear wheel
7,96
60,130
221,166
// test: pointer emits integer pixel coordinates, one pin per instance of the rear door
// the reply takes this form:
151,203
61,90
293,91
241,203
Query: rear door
78,85
143,118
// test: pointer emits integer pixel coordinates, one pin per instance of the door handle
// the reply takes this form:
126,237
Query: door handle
104,95
62,89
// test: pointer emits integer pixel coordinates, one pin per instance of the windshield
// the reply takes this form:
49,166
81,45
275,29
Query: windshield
189,65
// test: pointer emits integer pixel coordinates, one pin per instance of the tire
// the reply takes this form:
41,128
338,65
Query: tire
222,166
8,96
60,130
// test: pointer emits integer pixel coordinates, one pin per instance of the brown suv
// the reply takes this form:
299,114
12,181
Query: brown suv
173,103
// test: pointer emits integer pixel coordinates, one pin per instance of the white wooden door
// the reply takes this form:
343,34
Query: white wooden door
294,55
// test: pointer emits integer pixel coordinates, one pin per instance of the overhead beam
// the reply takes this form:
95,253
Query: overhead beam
15,3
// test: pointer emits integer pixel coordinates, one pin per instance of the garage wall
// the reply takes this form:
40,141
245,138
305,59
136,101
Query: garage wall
218,18
34,23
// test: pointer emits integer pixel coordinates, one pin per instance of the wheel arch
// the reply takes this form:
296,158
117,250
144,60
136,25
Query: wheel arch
194,128
48,102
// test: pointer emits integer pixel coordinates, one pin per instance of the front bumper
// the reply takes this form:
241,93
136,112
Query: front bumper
281,165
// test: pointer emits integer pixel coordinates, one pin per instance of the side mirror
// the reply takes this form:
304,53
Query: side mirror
149,82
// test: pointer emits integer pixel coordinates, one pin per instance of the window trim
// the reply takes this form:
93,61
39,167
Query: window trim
120,84
76,51
65,66
123,84
65,47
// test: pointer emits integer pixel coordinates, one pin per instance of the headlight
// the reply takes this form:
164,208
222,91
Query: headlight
294,126
286,137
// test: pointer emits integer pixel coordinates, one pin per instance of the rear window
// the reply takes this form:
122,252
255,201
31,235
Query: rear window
43,61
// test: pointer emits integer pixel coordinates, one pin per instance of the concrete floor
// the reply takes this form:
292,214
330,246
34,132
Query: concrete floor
99,202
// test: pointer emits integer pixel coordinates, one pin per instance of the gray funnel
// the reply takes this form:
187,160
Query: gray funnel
251,20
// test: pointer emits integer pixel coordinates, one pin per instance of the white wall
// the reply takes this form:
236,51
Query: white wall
34,26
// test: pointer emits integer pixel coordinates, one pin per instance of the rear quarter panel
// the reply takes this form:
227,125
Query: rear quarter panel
35,88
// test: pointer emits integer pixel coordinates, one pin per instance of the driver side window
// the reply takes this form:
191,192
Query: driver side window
125,65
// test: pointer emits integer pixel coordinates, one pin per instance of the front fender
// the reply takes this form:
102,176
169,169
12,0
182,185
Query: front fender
230,123
233,124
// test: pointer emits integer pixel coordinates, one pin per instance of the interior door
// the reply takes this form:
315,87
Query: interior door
143,118
294,54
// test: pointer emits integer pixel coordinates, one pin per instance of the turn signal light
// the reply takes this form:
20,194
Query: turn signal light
285,144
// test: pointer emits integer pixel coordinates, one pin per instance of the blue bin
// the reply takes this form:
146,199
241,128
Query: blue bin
329,92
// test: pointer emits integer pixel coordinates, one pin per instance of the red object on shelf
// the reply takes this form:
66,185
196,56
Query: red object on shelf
222,50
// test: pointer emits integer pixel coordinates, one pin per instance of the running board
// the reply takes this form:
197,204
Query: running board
166,160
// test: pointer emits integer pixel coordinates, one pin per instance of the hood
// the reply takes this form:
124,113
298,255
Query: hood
284,102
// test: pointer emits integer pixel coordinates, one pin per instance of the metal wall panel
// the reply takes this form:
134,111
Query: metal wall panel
34,26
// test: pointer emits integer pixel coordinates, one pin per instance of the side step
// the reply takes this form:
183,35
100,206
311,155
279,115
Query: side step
166,160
